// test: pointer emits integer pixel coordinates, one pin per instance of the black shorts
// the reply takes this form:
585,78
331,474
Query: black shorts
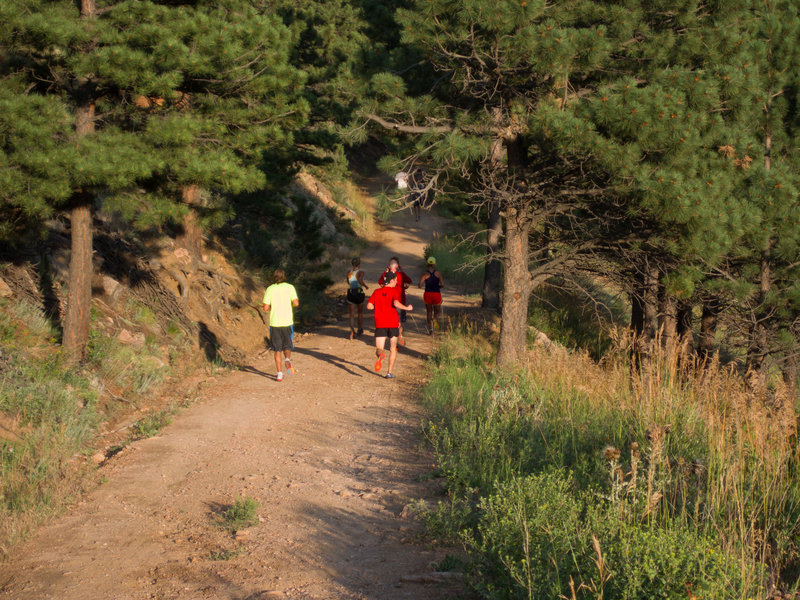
355,297
389,332
402,314
280,338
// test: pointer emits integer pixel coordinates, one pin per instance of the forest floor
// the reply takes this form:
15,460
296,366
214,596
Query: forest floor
334,456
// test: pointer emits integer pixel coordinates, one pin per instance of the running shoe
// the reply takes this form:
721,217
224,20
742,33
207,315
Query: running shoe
279,376
379,362
389,376
360,332
402,341
289,366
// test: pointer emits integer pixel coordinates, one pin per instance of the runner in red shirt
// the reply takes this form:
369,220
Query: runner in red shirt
386,303
403,281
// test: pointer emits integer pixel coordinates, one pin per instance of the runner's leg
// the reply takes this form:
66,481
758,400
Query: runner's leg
392,352
352,309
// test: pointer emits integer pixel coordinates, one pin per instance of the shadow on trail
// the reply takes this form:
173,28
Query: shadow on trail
351,541
336,361
254,371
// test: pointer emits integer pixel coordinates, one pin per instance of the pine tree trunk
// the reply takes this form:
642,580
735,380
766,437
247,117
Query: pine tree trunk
650,307
789,374
79,297
516,291
493,271
757,348
668,320
684,329
707,343
192,236
637,306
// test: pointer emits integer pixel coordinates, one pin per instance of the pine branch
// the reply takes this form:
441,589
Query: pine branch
409,128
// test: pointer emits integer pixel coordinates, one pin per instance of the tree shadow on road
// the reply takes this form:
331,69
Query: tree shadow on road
336,361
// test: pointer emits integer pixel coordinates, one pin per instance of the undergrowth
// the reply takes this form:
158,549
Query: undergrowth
50,411
572,479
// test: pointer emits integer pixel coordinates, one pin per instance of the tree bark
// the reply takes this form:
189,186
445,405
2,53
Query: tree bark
684,329
79,296
789,374
493,271
650,302
707,344
192,236
668,320
757,348
637,305
516,291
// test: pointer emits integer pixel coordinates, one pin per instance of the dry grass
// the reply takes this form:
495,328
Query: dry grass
747,479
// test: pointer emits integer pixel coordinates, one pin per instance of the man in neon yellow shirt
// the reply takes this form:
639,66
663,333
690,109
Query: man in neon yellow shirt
279,299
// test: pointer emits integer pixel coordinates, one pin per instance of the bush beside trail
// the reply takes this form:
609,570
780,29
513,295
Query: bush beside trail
566,479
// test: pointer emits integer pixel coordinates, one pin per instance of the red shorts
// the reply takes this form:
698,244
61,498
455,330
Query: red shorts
432,298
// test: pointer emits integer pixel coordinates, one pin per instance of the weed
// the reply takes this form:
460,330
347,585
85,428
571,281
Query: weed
449,563
240,514
151,424
226,554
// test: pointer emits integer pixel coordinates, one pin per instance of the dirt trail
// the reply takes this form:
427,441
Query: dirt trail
332,455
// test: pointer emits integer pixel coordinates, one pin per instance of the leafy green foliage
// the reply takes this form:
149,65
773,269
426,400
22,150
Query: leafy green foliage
560,480
240,514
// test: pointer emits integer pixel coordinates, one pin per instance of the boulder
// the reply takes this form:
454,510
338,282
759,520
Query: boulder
131,339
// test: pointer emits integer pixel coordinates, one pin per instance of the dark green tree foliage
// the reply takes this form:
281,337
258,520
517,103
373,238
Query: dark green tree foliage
330,48
683,140
166,99
33,158
761,88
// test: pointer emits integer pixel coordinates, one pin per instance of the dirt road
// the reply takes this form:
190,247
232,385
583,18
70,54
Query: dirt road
333,455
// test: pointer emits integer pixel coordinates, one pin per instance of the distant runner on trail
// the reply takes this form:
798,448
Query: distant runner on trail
403,281
411,181
386,304
279,299
356,297
433,283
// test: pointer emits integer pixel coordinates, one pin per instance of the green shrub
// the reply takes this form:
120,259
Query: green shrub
565,480
151,424
240,514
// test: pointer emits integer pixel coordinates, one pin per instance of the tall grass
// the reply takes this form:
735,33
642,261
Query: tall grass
569,478
50,411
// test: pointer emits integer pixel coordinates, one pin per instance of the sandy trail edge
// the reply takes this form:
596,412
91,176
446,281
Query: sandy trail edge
332,455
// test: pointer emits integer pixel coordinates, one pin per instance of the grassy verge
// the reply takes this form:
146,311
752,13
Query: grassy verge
569,479
50,411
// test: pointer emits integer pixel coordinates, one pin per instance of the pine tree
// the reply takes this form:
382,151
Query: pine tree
497,64
166,100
